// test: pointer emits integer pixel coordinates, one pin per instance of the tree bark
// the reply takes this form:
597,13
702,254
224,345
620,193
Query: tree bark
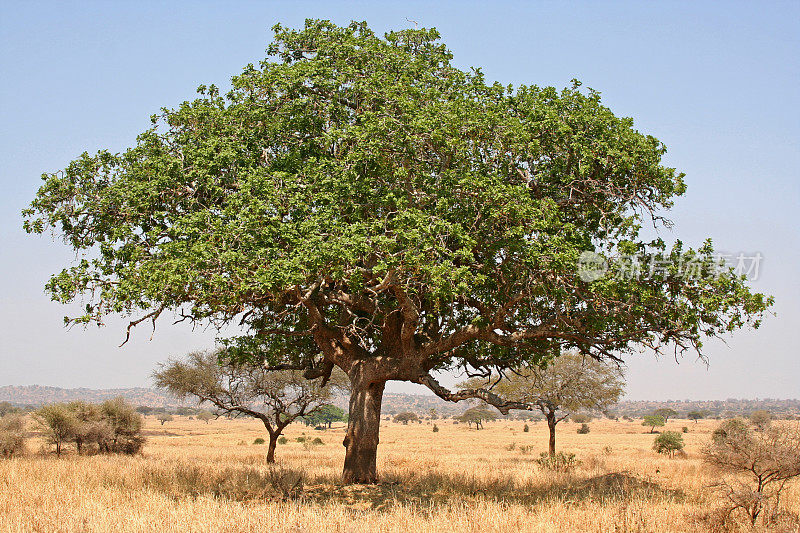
361,440
551,425
273,442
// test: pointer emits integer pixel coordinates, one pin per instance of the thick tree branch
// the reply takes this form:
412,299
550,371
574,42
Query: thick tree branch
504,406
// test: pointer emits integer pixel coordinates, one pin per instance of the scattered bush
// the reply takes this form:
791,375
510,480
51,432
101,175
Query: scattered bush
406,417
669,443
12,435
282,440
559,462
584,429
7,409
259,440
525,428
300,439
760,419
111,427
317,441
684,429
435,428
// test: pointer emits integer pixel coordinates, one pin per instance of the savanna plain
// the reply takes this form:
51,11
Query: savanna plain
194,476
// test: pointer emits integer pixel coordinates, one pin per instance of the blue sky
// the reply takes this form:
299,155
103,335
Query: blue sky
717,82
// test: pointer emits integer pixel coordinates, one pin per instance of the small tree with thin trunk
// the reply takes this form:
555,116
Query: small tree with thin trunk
666,413
696,415
164,417
477,416
569,383
58,423
325,416
653,421
277,398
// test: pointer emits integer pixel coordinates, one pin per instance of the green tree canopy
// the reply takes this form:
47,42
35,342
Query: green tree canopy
357,201
653,421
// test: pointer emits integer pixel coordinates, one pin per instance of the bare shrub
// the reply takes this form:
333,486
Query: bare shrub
768,459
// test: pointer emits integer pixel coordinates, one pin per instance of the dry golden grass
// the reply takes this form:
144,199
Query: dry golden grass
198,477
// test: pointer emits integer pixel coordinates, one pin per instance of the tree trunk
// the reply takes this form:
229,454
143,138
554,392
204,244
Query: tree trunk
273,442
551,425
361,440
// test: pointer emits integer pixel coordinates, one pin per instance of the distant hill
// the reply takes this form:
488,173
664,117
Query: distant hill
35,395
38,395
393,403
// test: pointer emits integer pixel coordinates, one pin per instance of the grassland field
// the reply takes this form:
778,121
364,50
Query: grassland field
198,477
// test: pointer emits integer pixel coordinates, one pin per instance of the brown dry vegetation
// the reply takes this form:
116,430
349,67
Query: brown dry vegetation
198,477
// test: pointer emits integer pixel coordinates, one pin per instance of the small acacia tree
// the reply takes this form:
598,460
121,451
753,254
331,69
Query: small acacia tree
696,415
277,398
58,424
653,422
477,416
569,383
164,418
768,458
325,416
666,413
359,202
205,416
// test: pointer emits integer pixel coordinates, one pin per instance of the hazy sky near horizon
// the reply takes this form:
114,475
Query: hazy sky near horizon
719,83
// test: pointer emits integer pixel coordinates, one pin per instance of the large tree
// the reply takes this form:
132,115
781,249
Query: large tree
568,384
275,397
357,201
